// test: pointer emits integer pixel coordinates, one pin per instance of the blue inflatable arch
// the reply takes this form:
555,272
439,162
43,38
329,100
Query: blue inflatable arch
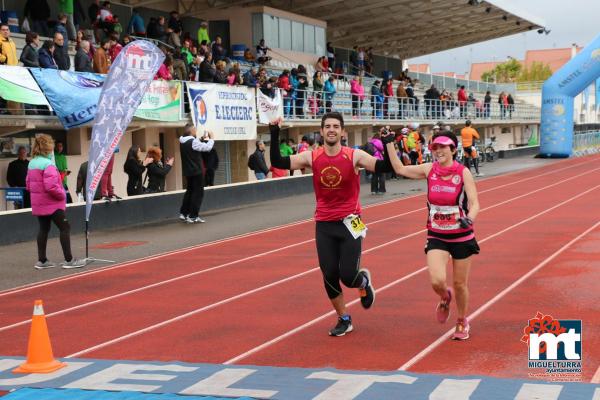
558,97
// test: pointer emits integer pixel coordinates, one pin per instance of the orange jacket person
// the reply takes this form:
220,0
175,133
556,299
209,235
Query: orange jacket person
468,134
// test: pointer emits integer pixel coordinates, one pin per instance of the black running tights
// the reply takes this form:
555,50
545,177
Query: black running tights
60,220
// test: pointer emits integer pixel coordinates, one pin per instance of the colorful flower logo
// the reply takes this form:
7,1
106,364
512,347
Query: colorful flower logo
541,324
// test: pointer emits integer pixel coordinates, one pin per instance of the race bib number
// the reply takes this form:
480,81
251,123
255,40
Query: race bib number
444,218
356,226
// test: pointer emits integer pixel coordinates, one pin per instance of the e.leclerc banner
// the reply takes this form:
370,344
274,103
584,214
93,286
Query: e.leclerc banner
128,79
16,84
228,111
72,95
161,102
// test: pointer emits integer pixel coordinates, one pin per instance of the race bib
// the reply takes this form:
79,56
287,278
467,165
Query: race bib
355,225
444,218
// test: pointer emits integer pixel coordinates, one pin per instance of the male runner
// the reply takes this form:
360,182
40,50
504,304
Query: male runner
467,135
339,229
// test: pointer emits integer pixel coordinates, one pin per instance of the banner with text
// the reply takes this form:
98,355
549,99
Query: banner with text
16,84
72,95
128,79
268,109
161,102
228,111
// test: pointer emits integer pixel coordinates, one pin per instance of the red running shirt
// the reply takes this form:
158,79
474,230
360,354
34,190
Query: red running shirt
337,185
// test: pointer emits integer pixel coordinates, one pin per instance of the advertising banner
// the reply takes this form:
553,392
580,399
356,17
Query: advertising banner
228,111
16,84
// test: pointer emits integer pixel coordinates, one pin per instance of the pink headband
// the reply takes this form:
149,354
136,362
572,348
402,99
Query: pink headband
443,140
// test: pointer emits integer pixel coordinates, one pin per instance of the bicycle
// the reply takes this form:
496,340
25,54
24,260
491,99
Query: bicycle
489,150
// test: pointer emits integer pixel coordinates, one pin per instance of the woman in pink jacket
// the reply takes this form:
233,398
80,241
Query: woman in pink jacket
358,94
48,202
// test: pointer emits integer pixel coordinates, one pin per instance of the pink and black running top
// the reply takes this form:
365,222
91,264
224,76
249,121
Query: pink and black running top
447,202
336,183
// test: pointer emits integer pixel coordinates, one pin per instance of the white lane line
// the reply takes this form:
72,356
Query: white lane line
192,274
496,298
259,232
389,285
267,344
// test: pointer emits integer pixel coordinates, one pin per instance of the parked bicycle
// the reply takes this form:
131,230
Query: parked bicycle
489,150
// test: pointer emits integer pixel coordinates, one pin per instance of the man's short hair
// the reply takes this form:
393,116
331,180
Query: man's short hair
334,115
62,16
259,142
188,129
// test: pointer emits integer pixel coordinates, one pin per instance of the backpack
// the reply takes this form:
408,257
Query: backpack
411,143
368,148
252,162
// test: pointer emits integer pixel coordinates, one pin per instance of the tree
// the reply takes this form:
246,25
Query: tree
505,72
537,71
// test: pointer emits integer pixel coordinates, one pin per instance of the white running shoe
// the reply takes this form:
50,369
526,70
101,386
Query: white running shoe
182,217
194,220
74,263
44,265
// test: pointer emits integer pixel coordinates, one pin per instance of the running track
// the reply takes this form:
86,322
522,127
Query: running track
258,298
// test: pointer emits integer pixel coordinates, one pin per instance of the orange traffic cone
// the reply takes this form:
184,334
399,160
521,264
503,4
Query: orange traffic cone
39,350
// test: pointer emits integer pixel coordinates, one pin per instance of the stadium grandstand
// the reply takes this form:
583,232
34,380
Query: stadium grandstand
297,33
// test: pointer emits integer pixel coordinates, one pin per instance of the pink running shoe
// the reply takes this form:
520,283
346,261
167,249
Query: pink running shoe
462,329
443,308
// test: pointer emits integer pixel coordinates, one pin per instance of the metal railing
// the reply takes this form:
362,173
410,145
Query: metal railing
441,81
585,143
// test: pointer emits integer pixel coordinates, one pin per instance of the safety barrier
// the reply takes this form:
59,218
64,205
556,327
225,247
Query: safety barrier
585,143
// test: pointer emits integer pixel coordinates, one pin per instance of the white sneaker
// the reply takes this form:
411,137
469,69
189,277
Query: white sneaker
182,217
74,263
479,174
194,220
44,265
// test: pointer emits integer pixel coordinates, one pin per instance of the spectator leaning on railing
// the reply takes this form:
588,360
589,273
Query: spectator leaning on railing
46,55
61,55
29,54
83,63
101,60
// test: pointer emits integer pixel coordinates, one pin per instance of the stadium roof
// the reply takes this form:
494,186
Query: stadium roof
405,28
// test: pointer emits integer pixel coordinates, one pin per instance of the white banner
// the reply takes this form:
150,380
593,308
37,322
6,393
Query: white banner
268,109
228,111
17,84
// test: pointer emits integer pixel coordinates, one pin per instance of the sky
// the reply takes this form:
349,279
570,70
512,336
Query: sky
573,21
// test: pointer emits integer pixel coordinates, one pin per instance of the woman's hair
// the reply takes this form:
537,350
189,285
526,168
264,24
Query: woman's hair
133,152
220,65
155,153
48,44
30,37
452,136
42,145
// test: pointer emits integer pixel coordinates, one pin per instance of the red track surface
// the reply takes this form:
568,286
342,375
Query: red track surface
259,299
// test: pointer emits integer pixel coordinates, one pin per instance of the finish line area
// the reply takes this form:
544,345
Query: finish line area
247,316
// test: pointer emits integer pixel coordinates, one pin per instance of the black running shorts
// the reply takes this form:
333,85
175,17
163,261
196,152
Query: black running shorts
458,250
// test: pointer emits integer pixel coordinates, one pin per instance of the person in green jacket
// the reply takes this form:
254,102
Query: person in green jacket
203,33
66,7
60,159
286,150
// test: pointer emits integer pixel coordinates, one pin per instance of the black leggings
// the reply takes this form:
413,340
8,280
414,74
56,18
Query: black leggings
339,256
60,220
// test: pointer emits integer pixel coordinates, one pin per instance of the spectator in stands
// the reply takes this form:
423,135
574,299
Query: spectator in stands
38,13
101,61
284,84
78,15
46,55
248,56
65,7
82,58
329,90
268,85
211,164
174,37
358,93
134,167
318,84
330,56
234,76
126,40
413,100
48,202
203,33
354,60
487,101
257,163
361,60
207,69
114,46
261,52
161,30
250,78
61,53
462,101
388,92
151,29
94,13
16,175
29,54
8,49
187,52
194,69
60,159
136,25
180,70
502,102
369,59
175,23
301,88
220,74
116,26
510,105
218,50
191,147
165,71
78,38
432,99
157,171
319,66
402,98
376,99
